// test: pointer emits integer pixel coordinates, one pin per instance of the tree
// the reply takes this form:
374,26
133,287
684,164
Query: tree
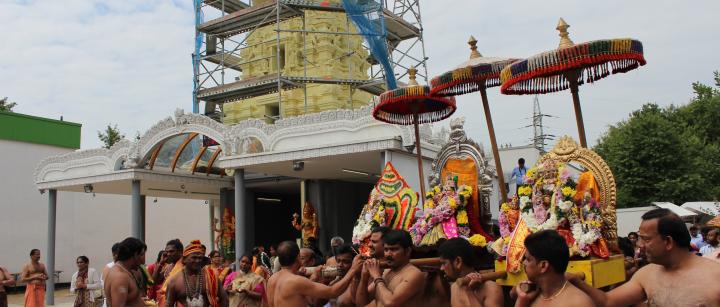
110,136
6,105
667,154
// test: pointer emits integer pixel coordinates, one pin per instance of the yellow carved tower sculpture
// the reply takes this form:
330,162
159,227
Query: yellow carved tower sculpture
329,57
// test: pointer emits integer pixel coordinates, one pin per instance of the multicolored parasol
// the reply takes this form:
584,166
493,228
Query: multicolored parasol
476,74
413,105
570,66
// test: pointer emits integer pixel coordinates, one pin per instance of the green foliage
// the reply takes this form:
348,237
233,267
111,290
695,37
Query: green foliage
667,154
6,105
110,136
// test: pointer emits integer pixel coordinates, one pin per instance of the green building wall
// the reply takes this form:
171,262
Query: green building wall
39,130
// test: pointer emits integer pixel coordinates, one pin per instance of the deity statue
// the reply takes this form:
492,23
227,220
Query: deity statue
507,221
308,226
444,214
225,233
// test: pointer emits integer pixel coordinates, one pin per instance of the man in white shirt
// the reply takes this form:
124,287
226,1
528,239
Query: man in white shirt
696,238
712,243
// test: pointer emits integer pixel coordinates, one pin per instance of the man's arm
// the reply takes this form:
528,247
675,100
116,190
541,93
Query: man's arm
25,275
271,290
170,296
119,291
402,293
8,279
157,275
317,290
629,293
493,294
362,296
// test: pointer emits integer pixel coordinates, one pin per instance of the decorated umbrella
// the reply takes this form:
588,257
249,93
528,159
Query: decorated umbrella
569,66
476,74
413,105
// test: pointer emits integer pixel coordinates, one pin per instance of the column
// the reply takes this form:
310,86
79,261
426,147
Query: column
211,215
50,252
221,216
137,220
240,213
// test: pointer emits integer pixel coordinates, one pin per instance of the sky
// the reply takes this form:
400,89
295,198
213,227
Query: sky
129,62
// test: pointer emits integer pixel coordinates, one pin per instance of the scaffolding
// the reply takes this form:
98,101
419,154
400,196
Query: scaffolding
219,63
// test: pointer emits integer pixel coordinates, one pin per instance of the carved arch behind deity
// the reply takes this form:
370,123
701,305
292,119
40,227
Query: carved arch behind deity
458,148
567,151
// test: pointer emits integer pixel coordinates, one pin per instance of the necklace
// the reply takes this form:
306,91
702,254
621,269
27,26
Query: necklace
556,293
137,282
193,294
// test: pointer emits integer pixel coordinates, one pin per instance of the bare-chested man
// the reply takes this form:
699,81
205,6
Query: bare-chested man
121,286
286,288
545,261
343,255
674,277
196,285
35,275
170,266
400,285
6,279
459,260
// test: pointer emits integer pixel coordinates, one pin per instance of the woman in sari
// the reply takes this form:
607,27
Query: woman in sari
217,266
85,284
244,287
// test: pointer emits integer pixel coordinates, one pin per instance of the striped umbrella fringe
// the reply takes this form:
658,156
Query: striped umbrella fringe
465,80
543,73
396,106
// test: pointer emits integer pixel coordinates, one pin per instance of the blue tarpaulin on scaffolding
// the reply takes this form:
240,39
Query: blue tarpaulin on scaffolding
367,15
197,5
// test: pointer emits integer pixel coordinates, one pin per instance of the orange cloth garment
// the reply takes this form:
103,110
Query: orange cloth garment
516,247
34,295
586,183
211,287
466,171
177,268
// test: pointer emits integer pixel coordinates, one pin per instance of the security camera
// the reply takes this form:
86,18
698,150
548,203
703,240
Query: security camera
298,165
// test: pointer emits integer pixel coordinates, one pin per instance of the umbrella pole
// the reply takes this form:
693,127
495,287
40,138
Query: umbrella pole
419,155
572,79
493,143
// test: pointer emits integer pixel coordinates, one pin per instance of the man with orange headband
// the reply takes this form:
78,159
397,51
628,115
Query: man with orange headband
197,286
170,265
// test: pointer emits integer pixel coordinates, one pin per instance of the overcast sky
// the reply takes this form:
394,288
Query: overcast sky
128,62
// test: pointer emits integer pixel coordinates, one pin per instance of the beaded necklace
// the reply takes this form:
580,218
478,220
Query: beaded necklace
193,294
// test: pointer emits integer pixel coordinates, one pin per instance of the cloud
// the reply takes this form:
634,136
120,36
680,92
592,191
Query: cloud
128,62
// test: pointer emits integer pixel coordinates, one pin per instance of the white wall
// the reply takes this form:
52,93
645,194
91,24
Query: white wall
628,219
86,225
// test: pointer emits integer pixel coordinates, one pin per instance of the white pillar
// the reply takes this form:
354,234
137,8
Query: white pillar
240,213
211,215
50,252
137,224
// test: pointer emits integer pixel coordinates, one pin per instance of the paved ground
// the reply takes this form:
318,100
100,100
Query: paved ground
63,298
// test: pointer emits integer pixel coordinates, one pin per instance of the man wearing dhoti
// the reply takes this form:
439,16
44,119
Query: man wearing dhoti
35,275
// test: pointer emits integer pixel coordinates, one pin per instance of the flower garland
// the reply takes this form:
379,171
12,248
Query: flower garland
440,207
532,209
373,215
586,231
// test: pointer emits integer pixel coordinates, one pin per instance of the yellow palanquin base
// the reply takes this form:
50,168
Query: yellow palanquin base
598,272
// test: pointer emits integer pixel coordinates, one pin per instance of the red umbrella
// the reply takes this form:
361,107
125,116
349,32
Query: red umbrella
476,74
569,66
413,105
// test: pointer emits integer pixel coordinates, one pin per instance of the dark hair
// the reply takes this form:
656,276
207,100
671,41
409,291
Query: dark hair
521,161
669,225
548,245
458,247
381,229
632,233
213,253
245,255
175,243
626,247
32,251
84,259
160,253
130,247
399,237
115,247
345,249
288,252
693,227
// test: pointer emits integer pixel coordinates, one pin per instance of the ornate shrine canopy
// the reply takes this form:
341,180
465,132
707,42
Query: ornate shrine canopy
190,155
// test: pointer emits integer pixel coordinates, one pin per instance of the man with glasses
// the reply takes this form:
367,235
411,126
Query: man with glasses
674,277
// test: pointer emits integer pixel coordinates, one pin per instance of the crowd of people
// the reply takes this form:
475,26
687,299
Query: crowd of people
664,261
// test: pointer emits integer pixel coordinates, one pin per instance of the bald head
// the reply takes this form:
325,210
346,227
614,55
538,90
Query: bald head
288,252
307,257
